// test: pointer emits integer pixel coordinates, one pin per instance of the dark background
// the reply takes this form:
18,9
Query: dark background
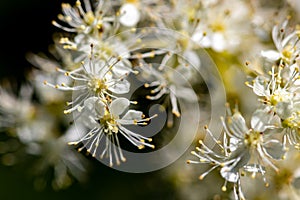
26,27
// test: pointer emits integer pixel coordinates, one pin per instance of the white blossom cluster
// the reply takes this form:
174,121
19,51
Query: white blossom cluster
100,54
274,126
111,60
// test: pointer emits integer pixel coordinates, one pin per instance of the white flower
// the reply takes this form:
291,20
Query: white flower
223,26
278,91
54,154
290,129
95,78
243,150
231,163
286,43
133,11
106,121
86,20
16,110
172,81
257,140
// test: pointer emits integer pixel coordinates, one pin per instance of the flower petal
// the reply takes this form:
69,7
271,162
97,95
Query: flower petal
120,87
263,119
130,15
259,86
284,109
120,69
237,124
229,175
270,55
133,115
118,106
94,106
274,149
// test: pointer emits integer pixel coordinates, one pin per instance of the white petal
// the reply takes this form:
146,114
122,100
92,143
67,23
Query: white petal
257,121
133,114
192,58
270,55
205,42
198,36
229,175
120,70
254,168
233,144
274,149
90,103
181,75
93,109
218,42
74,133
94,105
121,87
118,106
130,15
263,119
259,87
238,124
284,109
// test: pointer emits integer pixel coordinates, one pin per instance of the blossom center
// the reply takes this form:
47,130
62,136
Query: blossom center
109,122
279,96
287,53
97,85
291,122
253,138
217,26
89,18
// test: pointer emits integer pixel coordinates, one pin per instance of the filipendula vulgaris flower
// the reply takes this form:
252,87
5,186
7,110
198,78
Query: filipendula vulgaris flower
134,11
106,120
278,88
36,130
286,183
99,26
85,20
221,157
15,110
286,41
170,79
94,78
96,82
223,26
89,26
244,150
280,92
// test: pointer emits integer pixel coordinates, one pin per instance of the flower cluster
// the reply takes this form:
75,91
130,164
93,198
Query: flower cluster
104,61
98,79
274,125
112,60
